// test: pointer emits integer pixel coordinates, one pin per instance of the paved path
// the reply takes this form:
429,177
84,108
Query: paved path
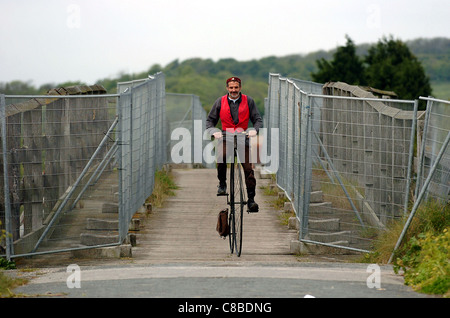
219,280
180,254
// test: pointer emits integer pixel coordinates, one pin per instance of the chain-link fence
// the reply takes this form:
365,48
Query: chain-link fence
77,165
346,158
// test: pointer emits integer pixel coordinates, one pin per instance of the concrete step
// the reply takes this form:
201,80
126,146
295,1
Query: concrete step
316,197
316,203
315,185
298,247
110,207
322,208
118,251
92,239
328,237
102,224
329,225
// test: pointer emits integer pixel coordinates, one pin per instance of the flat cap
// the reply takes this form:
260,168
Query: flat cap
234,79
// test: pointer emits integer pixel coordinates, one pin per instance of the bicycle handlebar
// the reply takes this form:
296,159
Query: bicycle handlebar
236,133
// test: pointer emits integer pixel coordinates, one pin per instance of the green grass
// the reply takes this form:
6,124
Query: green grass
424,253
8,283
164,186
441,90
278,202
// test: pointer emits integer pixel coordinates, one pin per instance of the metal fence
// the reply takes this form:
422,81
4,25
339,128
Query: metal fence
50,145
433,175
186,118
346,158
185,113
77,167
431,142
142,141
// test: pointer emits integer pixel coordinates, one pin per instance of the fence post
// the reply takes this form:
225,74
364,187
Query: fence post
8,238
422,147
411,156
303,231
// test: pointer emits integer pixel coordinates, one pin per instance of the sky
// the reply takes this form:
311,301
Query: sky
54,41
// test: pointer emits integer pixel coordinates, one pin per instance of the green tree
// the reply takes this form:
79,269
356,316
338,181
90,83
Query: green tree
391,66
346,66
18,88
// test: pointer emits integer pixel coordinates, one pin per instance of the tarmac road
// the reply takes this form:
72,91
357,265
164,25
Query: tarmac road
232,279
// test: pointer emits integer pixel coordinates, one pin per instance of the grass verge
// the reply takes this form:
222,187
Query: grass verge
424,253
164,186
8,283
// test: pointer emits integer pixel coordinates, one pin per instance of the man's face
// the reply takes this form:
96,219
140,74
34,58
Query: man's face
233,89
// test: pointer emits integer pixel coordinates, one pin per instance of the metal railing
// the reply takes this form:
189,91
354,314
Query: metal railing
346,158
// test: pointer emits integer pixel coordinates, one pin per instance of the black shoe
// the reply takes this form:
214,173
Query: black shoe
252,206
222,188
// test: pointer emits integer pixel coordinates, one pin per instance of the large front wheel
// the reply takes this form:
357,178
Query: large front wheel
232,236
239,205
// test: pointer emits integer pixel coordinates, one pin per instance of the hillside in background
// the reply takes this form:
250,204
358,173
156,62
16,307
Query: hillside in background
206,78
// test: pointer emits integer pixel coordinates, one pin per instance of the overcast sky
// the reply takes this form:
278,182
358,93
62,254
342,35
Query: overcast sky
52,41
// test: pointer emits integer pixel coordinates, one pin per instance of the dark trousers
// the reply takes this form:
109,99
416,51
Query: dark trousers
249,174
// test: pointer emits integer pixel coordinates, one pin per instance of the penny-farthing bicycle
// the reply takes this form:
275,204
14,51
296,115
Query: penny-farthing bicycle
237,196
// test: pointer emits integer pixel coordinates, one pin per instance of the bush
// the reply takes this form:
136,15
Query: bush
5,264
423,254
426,263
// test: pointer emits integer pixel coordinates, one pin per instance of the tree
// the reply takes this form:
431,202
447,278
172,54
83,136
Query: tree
346,66
17,87
391,66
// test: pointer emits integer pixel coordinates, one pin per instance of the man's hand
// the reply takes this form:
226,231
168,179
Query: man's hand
217,135
252,133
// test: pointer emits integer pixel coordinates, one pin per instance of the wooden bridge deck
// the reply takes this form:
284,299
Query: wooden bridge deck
184,229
